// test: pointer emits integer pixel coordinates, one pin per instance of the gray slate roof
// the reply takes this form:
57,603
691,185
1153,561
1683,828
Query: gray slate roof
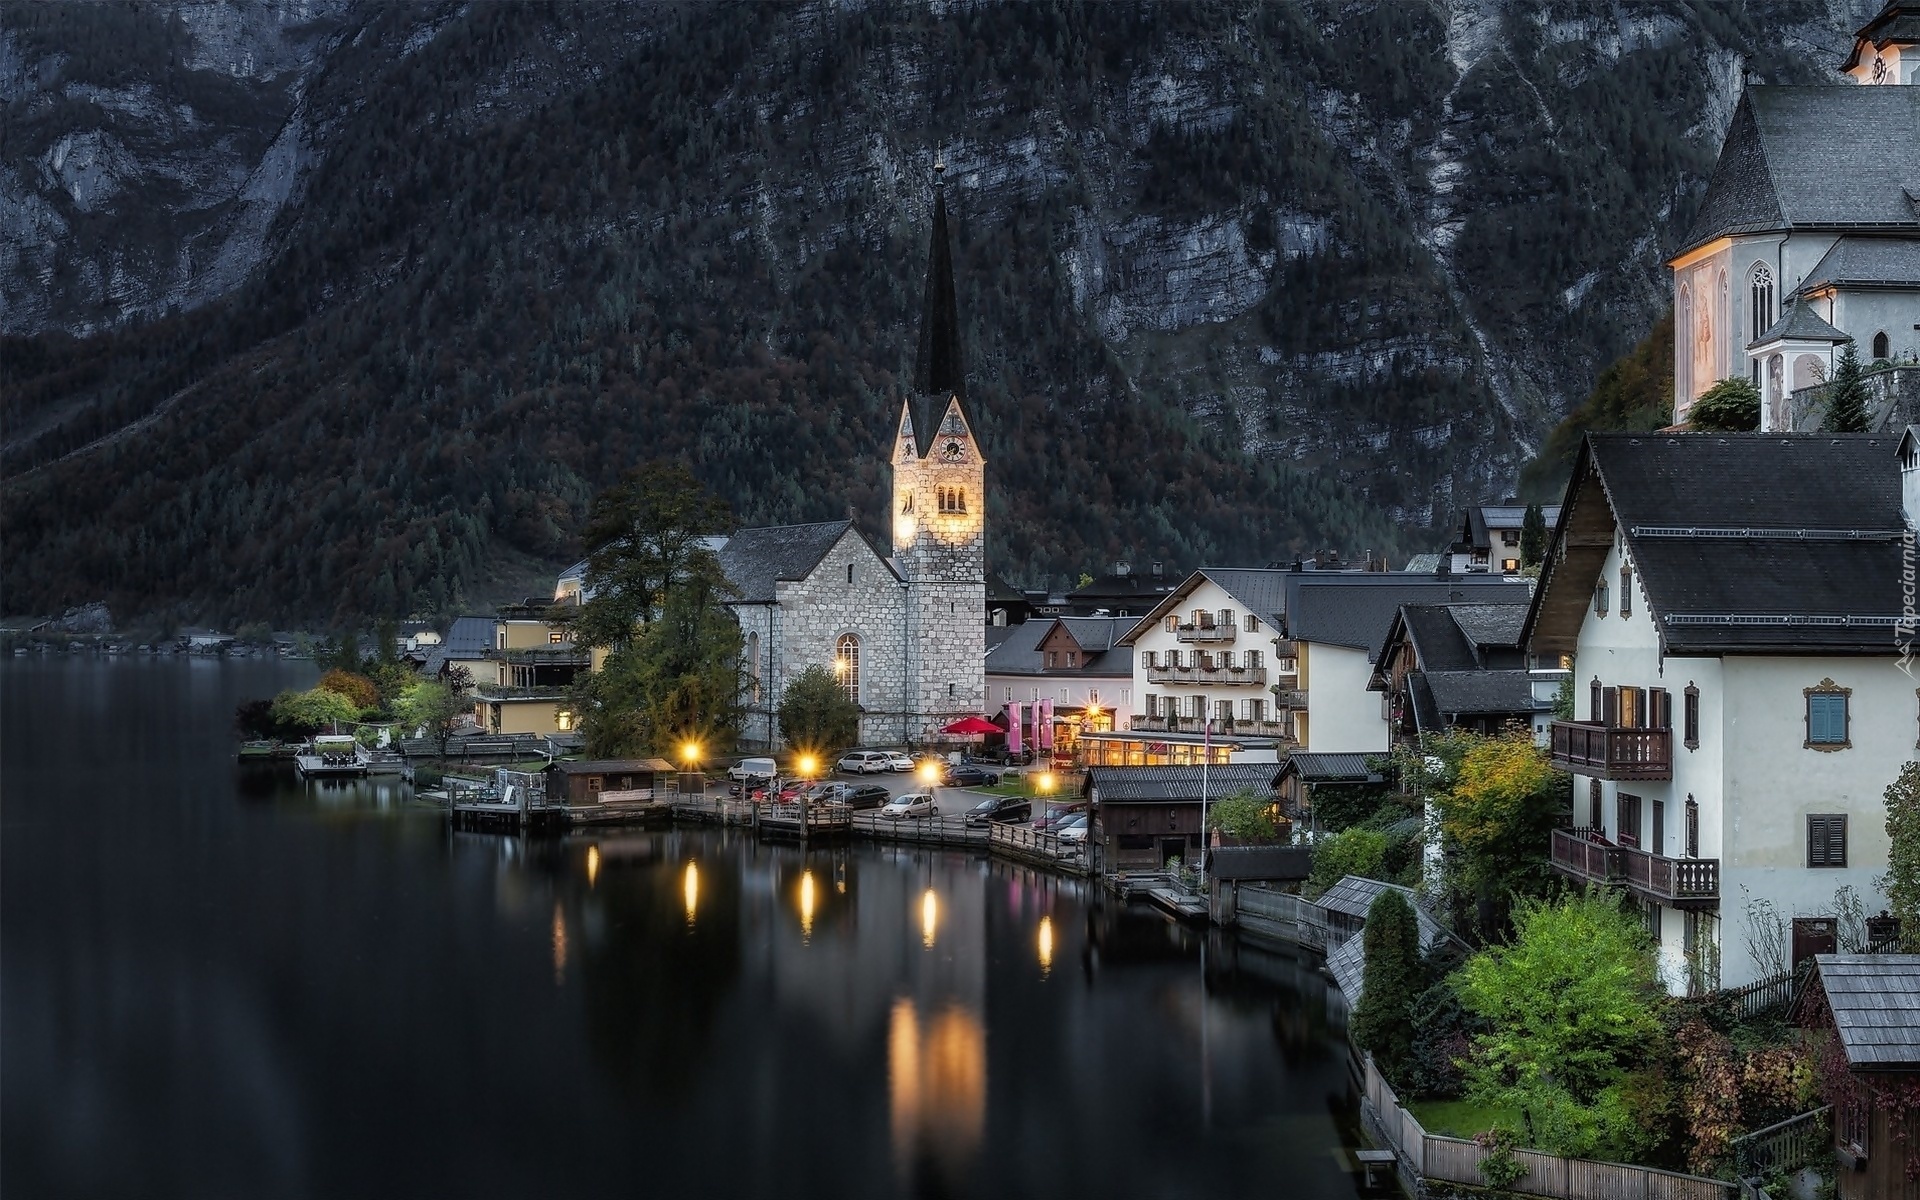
1875,1000
1330,768
1351,898
612,766
1761,542
468,637
1422,564
1867,262
1259,862
1161,785
755,559
1482,693
1799,324
1829,157
1018,653
1344,611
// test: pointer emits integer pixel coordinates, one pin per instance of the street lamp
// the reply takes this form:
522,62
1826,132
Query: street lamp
690,753
929,773
807,764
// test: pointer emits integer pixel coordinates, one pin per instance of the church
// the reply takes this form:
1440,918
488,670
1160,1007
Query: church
1809,236
902,628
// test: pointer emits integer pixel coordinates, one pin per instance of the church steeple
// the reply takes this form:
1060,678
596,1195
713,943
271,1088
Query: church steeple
939,370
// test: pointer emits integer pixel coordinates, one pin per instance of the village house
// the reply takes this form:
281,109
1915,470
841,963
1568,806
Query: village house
1489,538
1056,679
1122,592
1808,236
1460,666
1730,606
1145,816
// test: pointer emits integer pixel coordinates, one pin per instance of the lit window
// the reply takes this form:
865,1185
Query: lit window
554,637
846,665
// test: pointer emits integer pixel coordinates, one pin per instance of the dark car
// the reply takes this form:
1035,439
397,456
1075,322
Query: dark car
1000,808
968,775
870,795
1058,813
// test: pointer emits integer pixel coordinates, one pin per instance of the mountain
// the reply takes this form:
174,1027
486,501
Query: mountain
330,307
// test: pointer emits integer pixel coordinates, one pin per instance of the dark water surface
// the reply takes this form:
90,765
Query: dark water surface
217,981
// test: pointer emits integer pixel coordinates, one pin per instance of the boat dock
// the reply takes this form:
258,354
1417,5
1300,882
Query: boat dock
806,822
332,756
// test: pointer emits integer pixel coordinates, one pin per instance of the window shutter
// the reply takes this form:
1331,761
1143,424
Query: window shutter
1662,708
1827,841
1610,700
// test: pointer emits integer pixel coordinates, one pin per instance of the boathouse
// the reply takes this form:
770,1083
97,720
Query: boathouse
1864,1010
1143,816
612,780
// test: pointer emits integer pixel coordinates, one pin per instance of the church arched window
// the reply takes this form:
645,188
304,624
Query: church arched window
1683,356
1880,346
1760,288
753,663
846,665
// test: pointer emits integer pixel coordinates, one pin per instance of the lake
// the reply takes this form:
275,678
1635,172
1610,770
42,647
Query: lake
219,981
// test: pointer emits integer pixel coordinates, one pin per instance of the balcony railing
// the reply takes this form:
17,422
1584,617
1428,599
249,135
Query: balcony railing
561,654
1290,697
1610,752
1256,676
1578,853
1221,729
1217,634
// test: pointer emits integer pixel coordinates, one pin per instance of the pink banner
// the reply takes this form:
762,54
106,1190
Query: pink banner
1013,728
1043,726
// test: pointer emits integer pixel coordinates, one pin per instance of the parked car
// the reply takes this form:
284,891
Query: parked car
969,775
867,795
752,768
828,793
913,804
899,761
1058,812
1075,829
863,762
1000,808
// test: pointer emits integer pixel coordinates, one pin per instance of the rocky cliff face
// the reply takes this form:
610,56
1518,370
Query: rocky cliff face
1377,248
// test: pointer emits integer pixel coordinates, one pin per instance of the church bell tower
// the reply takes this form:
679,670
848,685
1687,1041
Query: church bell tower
939,512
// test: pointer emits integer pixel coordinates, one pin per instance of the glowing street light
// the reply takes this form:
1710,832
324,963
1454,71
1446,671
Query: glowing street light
807,764
929,774
690,753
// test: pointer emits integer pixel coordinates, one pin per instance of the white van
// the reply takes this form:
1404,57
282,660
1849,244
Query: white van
753,770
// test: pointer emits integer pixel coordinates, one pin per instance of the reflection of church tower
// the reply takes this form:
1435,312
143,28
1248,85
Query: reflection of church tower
939,513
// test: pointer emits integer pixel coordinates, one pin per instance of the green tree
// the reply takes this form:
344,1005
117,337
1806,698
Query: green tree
677,681
1533,536
1242,815
1573,1006
431,707
1903,853
311,711
1730,406
1395,976
1497,809
1358,851
816,713
645,535
1847,398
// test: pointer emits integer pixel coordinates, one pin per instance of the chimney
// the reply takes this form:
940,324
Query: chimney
1122,567
1158,568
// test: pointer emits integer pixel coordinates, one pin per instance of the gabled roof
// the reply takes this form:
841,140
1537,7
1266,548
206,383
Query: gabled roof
939,369
1800,324
1330,768
1096,635
468,637
1875,1001
756,559
1260,591
1866,262
1756,542
612,766
1833,157
1126,587
1161,785
1898,22
1342,611
1482,693
1019,653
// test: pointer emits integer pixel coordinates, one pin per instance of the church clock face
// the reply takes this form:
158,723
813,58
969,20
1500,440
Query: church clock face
952,451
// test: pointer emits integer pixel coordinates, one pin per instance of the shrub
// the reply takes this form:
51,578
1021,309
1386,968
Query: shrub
1395,975
1357,851
1500,1167
1241,815
1730,406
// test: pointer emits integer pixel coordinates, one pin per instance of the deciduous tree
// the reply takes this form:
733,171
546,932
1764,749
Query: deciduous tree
817,714
1730,406
1242,815
431,707
311,711
1903,853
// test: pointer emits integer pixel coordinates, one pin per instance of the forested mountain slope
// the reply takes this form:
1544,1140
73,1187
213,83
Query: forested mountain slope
336,307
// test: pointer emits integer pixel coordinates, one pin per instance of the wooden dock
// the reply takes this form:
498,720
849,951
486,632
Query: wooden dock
1039,847
716,810
805,822
919,831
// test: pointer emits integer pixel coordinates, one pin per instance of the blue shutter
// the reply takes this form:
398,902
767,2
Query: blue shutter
1826,719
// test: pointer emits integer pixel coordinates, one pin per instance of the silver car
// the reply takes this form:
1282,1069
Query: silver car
899,761
913,804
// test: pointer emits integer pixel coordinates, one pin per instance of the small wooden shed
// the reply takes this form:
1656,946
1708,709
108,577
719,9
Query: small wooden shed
1869,1004
612,780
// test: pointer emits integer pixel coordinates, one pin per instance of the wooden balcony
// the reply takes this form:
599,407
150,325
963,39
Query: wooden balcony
1257,676
1678,882
1609,752
1290,698
1222,730
1218,635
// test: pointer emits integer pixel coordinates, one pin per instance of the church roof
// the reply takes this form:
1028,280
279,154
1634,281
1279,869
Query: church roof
1867,262
1816,157
1799,324
939,369
1899,22
756,559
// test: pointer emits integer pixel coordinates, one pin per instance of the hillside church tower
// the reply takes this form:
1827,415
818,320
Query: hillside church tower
939,511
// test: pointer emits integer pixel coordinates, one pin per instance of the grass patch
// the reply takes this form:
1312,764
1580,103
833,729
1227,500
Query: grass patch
1462,1118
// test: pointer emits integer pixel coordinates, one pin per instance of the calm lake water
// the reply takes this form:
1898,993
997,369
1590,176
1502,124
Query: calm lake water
217,981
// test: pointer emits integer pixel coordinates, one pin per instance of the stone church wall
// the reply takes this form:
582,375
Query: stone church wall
816,611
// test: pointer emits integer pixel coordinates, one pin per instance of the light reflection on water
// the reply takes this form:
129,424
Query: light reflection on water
222,981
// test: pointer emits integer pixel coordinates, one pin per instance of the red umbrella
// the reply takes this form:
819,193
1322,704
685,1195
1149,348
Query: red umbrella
973,725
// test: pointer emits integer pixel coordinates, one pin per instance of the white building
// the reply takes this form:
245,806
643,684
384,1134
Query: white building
1731,605
1812,201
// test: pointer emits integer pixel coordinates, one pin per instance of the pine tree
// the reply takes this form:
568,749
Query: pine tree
1847,401
1533,536
1383,1019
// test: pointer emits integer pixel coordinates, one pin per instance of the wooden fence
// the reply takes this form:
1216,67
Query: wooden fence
1272,913
1457,1160
1775,991
1786,1146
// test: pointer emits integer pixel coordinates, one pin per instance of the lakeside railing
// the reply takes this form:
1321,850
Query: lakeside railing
1786,1146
